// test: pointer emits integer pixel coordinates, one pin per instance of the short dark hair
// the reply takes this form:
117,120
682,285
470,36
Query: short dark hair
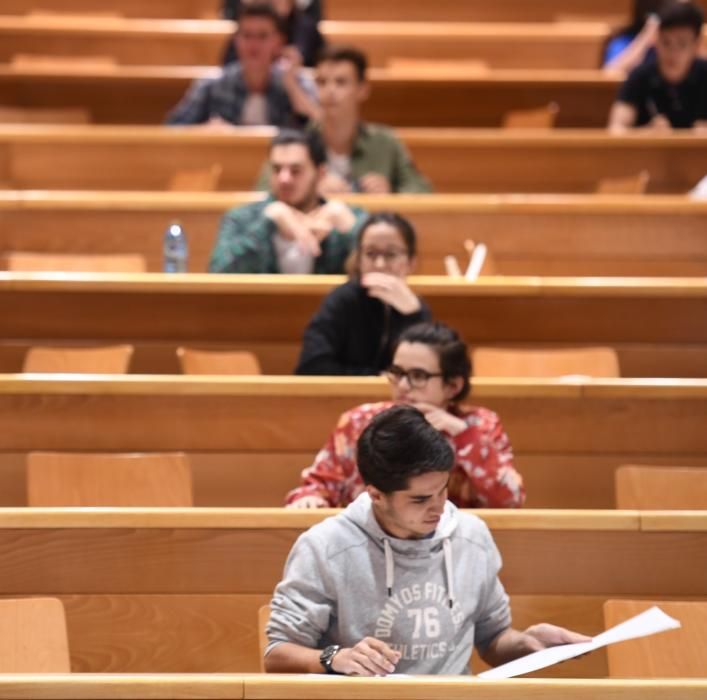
309,139
453,354
265,10
682,14
348,54
399,444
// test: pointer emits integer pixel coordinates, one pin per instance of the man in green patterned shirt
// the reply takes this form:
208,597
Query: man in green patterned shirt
294,230
361,156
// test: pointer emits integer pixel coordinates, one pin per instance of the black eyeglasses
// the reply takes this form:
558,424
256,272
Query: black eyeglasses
417,378
389,256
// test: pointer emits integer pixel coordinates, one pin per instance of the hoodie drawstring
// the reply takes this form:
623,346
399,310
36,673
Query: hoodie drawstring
449,569
389,572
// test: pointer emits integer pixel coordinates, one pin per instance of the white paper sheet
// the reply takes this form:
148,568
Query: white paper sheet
646,623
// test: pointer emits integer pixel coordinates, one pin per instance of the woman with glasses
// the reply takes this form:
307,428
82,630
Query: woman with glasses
430,370
358,323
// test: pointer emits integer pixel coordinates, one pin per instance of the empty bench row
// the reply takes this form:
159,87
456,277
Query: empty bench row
249,438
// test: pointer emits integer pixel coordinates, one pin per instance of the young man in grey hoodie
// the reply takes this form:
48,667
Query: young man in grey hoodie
401,581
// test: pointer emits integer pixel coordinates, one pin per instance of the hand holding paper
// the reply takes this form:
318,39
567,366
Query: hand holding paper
649,622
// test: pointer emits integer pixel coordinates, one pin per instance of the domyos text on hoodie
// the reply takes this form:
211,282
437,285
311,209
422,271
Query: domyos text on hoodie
431,599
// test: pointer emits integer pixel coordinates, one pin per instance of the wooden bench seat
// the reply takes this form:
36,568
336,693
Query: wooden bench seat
144,94
419,10
456,160
568,438
282,687
530,235
179,42
655,324
178,590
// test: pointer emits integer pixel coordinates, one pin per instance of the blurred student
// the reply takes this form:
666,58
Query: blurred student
633,44
293,230
361,156
258,90
301,27
431,371
358,323
670,92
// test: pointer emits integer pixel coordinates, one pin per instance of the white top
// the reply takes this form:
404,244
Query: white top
339,164
255,110
291,259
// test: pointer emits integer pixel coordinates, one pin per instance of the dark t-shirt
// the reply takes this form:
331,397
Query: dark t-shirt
683,103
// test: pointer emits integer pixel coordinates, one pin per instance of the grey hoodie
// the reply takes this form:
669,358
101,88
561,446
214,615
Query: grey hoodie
432,599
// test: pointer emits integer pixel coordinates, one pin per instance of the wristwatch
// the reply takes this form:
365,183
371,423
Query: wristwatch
327,656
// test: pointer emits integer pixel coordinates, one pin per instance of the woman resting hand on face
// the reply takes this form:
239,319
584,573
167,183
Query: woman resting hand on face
358,323
430,370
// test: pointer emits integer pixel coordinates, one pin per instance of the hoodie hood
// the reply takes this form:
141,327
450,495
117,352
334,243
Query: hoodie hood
361,514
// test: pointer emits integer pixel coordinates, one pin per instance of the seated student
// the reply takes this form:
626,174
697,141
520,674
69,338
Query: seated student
302,37
294,230
401,581
311,8
670,92
361,157
357,324
633,44
430,371
256,91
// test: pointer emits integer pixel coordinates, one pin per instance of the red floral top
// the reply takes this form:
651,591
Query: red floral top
483,476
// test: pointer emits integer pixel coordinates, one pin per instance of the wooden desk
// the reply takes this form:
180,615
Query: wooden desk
188,42
144,95
261,687
528,235
567,438
169,591
655,324
447,10
165,42
144,158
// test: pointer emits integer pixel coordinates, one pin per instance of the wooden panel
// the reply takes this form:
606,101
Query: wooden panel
144,158
675,654
197,633
77,479
531,235
163,633
33,636
448,10
175,42
227,552
449,688
655,419
257,479
650,314
669,488
144,95
282,687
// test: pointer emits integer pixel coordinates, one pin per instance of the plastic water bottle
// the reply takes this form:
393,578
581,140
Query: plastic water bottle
175,248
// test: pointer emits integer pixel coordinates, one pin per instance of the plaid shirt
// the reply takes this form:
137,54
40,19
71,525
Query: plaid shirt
225,97
483,475
245,243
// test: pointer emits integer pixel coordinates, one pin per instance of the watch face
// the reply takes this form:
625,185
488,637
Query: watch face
327,655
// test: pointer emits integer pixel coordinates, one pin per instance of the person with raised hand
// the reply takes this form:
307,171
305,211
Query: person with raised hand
431,371
357,324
